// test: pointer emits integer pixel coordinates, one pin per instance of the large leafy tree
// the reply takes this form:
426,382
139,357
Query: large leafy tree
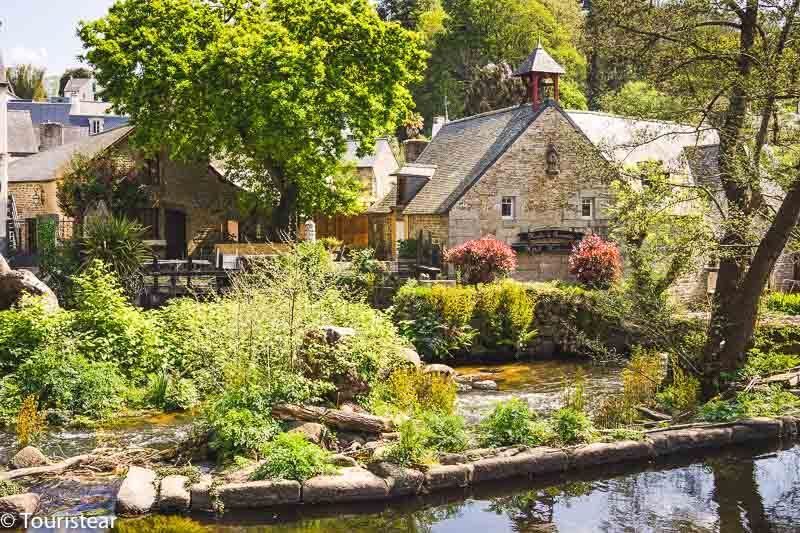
27,81
270,85
734,64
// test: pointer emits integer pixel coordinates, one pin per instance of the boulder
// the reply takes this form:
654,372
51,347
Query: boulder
487,384
353,485
18,507
137,494
603,453
334,334
453,459
411,356
342,460
200,494
790,427
15,283
530,463
401,481
440,369
174,496
29,456
311,430
258,494
448,477
463,386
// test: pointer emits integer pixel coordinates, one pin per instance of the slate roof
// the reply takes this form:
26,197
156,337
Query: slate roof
386,204
22,137
75,84
464,149
45,166
539,61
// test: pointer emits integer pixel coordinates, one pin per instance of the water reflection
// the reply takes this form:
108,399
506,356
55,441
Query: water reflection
740,491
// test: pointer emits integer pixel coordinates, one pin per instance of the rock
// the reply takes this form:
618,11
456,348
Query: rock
200,494
137,494
352,407
311,430
790,427
15,283
448,477
334,334
535,462
29,456
463,387
756,429
411,356
342,460
401,481
174,496
678,440
243,474
603,453
18,507
354,446
485,385
353,485
439,369
258,494
453,459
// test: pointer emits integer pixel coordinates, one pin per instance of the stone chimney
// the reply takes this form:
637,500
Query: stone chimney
51,134
413,148
438,124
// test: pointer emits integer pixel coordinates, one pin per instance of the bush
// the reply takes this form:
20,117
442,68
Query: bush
781,302
180,395
445,433
482,260
414,391
763,364
682,394
407,248
116,242
572,426
510,423
772,402
412,448
23,330
504,317
595,262
290,456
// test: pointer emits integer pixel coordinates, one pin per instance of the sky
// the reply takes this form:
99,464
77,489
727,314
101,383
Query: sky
42,32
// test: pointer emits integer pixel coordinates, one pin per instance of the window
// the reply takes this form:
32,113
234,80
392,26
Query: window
95,126
507,208
587,208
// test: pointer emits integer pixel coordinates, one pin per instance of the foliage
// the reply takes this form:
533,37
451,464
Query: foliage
89,181
414,391
30,422
572,426
9,488
22,331
771,402
412,448
364,275
298,77
509,424
192,473
503,316
407,248
180,395
117,242
781,302
641,381
27,81
331,244
445,432
596,262
482,260
763,364
291,456
58,262
436,319
639,99
682,394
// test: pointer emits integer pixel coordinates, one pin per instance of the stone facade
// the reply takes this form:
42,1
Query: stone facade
437,225
34,199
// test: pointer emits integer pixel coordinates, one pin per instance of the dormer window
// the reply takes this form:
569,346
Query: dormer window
96,126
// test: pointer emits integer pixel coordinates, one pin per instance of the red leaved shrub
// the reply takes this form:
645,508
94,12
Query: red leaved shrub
596,262
482,260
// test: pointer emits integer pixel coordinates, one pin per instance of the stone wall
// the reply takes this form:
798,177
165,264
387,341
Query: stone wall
542,199
34,198
542,267
437,225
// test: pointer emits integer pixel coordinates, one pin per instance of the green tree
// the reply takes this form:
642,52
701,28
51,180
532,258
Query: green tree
79,72
732,63
272,85
27,81
639,99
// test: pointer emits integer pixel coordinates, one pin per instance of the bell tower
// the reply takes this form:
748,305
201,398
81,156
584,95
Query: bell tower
540,72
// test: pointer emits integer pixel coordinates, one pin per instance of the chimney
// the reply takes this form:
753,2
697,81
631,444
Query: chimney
438,123
75,103
51,134
413,148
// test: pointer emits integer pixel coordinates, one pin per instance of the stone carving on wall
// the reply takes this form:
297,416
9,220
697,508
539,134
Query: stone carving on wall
553,161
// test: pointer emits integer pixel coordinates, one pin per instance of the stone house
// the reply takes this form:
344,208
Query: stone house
534,176
190,206
374,170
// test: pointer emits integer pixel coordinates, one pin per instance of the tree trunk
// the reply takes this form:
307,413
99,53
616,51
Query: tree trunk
333,417
284,215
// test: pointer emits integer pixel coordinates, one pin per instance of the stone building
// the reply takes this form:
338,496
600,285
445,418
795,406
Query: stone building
189,207
534,175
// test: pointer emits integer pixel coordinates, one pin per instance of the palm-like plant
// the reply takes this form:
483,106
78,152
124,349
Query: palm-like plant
118,243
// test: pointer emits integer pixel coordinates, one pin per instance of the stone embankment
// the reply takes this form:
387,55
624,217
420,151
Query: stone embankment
383,481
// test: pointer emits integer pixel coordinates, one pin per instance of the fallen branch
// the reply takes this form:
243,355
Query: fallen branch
653,414
334,418
49,469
